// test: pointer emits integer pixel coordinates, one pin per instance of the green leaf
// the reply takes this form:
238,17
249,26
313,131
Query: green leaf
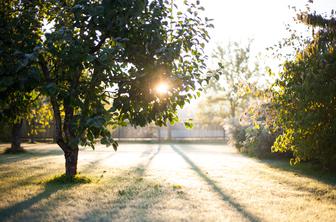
188,124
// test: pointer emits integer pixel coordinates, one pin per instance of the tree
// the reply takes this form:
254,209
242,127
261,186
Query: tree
20,24
99,63
13,113
305,96
229,93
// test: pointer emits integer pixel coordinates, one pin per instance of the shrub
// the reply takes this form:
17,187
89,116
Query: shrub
259,141
305,97
255,140
238,134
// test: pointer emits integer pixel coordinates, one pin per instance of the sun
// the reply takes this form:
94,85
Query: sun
162,88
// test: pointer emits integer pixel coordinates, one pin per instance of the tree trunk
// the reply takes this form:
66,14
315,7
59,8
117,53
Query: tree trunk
62,138
16,137
32,126
71,157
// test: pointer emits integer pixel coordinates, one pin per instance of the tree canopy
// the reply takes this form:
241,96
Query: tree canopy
20,33
99,62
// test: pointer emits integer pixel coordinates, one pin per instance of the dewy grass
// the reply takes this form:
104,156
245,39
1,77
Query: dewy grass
64,180
141,182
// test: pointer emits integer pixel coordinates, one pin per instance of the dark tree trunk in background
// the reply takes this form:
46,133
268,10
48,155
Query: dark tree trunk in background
31,128
16,137
71,157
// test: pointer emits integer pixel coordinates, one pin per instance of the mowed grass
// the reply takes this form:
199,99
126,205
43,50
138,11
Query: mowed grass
151,182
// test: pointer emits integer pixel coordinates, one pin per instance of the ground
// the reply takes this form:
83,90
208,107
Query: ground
162,182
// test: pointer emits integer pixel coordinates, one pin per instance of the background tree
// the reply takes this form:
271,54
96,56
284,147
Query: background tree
20,26
101,60
228,95
305,96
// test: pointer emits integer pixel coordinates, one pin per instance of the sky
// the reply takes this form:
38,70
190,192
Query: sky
264,21
261,20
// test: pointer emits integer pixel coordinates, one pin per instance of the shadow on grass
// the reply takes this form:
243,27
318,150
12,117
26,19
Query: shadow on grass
50,187
31,153
306,169
139,195
225,197
21,182
145,193
92,165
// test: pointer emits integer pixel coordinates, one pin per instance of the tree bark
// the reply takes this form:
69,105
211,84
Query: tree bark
16,137
71,157
62,138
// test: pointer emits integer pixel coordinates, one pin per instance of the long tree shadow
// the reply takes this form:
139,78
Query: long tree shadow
31,153
303,169
90,166
150,159
49,189
304,172
21,182
225,197
145,193
93,164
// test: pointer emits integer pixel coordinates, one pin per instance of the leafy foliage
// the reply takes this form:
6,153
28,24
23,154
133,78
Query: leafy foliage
20,32
305,97
18,37
40,116
101,60
254,133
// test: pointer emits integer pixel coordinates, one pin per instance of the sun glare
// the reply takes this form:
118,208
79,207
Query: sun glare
162,88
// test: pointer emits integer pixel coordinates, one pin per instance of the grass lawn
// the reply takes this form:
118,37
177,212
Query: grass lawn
152,182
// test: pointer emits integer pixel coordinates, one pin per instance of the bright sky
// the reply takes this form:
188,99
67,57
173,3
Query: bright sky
262,20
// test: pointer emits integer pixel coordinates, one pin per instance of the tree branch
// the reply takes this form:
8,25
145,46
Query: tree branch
55,107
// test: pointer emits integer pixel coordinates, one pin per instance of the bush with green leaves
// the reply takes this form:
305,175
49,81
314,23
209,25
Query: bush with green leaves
259,141
255,140
305,97
254,133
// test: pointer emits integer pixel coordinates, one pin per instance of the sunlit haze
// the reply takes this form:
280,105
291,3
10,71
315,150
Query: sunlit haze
261,20
168,110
